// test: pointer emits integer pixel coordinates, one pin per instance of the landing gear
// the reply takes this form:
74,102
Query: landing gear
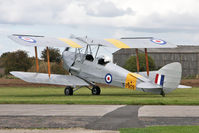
68,91
96,90
162,93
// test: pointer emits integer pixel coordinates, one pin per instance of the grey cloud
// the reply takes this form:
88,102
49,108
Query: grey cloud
107,9
59,12
171,22
160,29
31,12
51,12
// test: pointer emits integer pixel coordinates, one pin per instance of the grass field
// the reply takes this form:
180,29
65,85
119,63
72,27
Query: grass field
162,129
55,95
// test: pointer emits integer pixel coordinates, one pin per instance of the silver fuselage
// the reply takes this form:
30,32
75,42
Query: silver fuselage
92,71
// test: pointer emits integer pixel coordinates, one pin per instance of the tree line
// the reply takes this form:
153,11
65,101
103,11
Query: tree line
20,61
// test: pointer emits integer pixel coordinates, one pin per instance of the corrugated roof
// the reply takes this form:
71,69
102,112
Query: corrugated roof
179,49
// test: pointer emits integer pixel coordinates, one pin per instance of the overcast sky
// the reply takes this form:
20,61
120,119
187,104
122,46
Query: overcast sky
176,21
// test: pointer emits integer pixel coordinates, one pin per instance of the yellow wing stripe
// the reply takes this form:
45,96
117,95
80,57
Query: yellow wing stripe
117,43
136,75
70,42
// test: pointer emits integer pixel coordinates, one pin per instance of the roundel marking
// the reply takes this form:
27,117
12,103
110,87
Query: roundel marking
27,39
108,78
158,41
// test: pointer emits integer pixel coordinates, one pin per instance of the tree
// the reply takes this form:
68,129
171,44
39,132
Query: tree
16,61
132,66
55,55
2,58
54,67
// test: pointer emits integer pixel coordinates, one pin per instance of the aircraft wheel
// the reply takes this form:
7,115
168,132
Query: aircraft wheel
96,90
68,91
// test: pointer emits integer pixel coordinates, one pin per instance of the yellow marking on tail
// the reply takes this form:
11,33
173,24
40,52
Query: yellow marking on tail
117,43
130,82
70,42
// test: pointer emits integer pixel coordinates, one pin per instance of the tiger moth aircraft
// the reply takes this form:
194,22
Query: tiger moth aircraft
86,68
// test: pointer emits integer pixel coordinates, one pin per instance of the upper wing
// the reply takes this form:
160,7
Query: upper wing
135,43
77,42
31,40
54,78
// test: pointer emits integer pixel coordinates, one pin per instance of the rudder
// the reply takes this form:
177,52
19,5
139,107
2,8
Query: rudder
169,76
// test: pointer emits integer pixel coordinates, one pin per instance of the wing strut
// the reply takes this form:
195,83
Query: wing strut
137,60
37,63
147,62
48,59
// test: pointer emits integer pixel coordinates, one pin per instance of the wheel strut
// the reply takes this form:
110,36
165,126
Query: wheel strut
162,93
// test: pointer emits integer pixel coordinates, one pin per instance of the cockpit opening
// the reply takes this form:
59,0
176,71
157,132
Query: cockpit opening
104,60
89,57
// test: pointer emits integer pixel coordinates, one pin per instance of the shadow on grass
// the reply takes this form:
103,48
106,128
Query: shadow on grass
132,95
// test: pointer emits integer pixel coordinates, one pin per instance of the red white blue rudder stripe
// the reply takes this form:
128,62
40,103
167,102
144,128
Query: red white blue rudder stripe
159,79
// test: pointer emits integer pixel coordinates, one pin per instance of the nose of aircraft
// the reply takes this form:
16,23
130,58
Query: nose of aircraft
68,58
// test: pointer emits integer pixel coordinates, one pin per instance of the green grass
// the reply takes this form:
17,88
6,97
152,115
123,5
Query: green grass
55,95
162,129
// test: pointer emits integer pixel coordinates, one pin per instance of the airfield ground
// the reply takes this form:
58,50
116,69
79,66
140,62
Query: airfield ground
155,129
96,117
117,96
16,91
162,129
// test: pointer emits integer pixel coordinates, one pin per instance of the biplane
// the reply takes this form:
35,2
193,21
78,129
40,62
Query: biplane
87,69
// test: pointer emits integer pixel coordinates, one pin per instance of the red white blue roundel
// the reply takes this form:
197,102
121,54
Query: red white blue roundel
108,78
27,39
158,41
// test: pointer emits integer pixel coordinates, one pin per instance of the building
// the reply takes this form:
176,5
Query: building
188,56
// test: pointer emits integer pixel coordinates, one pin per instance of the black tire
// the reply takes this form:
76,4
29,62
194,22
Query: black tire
68,91
162,93
96,90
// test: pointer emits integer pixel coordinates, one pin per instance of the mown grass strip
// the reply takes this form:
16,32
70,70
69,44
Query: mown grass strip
55,95
162,129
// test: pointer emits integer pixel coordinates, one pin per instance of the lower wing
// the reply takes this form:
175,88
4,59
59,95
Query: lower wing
55,79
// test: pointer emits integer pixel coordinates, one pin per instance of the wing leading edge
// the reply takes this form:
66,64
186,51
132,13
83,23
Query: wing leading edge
55,79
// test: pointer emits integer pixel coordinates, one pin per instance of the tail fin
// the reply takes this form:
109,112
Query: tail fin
169,76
